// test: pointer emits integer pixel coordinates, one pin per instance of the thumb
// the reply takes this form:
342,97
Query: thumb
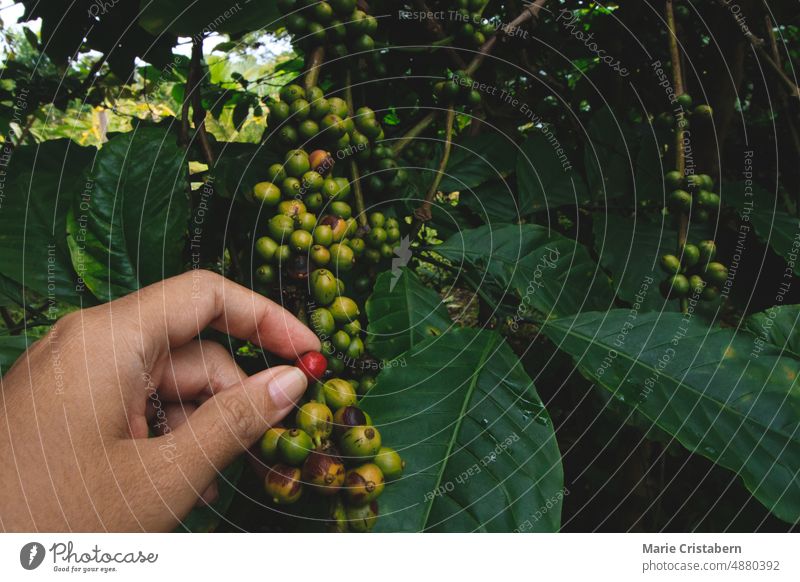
227,424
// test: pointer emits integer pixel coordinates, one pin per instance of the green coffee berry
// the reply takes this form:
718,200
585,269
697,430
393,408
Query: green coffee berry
294,445
315,419
361,518
269,444
339,393
390,463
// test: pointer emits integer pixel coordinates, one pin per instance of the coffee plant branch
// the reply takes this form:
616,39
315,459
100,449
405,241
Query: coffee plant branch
313,67
358,194
436,31
758,45
423,213
531,12
680,162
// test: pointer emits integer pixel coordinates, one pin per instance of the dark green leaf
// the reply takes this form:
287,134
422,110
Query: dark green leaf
776,228
708,387
545,175
206,519
240,113
778,326
10,292
42,181
493,201
475,160
31,37
609,154
207,16
11,348
551,273
479,447
631,249
131,229
402,312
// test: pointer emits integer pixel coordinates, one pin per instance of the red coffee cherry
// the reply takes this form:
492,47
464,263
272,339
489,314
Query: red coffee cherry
313,365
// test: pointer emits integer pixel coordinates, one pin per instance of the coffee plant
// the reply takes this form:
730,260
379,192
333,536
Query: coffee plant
549,249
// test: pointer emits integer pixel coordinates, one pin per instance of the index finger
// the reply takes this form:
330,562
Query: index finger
174,311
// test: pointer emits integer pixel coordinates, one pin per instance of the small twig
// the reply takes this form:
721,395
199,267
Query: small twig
358,193
188,90
313,67
423,213
531,11
199,113
414,132
758,44
7,319
436,30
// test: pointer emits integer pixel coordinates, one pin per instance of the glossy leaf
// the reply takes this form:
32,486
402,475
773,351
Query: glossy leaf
476,160
205,16
779,326
551,273
130,229
773,226
545,175
493,201
705,386
402,312
630,249
611,148
480,450
208,517
11,348
40,186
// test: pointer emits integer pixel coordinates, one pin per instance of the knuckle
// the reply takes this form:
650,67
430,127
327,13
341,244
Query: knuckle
238,414
207,278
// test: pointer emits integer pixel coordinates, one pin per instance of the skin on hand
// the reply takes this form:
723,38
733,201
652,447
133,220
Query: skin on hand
74,450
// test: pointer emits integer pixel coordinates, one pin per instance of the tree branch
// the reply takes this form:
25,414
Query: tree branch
530,12
414,132
423,213
358,193
313,67
435,29
680,160
758,45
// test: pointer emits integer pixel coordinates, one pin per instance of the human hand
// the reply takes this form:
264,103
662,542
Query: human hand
73,431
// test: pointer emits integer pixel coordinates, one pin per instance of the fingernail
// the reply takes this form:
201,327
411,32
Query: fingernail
287,387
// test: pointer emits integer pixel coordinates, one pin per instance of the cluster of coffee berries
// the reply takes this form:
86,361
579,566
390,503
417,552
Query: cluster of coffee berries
693,195
694,273
468,24
684,114
338,24
372,66
297,238
307,117
417,153
383,176
459,89
331,447
702,112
